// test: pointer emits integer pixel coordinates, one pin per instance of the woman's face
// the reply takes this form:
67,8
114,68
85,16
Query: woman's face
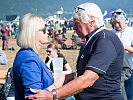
51,52
42,36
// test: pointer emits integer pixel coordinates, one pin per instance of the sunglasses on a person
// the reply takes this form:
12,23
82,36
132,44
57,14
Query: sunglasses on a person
76,9
44,30
49,51
119,13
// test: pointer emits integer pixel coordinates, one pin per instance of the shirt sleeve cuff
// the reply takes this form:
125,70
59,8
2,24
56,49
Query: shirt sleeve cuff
95,69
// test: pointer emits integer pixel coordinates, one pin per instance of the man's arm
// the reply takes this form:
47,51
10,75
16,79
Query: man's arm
126,70
73,87
128,48
77,85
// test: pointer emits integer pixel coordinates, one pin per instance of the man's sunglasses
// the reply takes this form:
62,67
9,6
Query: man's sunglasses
118,13
78,9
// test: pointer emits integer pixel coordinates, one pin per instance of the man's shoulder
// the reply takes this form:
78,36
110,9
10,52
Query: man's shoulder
106,33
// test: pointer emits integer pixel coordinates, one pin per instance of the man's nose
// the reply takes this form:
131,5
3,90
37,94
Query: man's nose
117,25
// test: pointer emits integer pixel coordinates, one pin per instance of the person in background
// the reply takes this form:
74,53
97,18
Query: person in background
3,58
125,34
8,87
99,63
64,30
53,52
76,41
61,39
50,31
29,71
15,30
5,32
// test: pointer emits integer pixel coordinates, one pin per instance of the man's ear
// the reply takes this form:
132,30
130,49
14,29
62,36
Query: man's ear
92,22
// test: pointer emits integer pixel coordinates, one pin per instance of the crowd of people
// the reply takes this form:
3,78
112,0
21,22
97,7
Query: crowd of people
103,68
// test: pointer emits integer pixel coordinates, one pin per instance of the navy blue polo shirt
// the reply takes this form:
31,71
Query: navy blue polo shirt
103,54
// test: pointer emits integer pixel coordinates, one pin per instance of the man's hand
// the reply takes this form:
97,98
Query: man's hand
40,95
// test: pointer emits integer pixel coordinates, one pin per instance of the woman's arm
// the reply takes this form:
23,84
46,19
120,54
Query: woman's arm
67,68
73,87
49,61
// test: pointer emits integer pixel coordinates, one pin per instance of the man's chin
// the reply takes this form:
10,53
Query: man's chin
118,29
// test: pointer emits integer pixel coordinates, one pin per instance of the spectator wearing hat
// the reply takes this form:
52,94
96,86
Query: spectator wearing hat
125,33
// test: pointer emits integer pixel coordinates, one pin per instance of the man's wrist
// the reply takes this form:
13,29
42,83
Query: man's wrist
75,75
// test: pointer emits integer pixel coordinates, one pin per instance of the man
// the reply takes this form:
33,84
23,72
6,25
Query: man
125,34
99,62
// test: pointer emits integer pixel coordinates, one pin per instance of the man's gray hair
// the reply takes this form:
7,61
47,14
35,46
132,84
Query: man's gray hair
28,30
118,14
88,12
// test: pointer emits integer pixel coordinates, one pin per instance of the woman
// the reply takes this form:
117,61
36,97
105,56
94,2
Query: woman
29,71
52,52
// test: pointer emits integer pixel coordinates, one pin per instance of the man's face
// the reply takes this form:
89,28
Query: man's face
77,27
119,24
80,28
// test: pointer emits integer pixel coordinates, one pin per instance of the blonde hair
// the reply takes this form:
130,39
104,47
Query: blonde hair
28,29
